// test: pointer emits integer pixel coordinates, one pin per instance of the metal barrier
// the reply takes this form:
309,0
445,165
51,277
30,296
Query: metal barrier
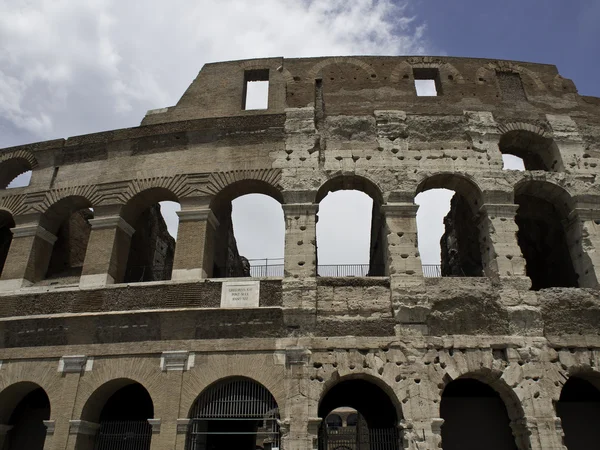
124,435
343,270
432,270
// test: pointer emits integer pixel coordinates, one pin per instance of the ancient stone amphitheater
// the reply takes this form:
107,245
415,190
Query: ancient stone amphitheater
116,337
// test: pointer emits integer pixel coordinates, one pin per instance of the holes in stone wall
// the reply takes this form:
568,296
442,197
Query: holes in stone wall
256,89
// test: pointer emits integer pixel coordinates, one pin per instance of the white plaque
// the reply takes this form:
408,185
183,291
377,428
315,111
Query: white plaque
240,294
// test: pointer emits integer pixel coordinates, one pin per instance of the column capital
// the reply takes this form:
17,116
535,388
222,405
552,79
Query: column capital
400,209
155,424
182,426
83,427
290,209
50,426
102,223
198,215
33,230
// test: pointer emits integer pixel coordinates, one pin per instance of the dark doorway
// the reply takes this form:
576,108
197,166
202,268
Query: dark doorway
475,418
371,412
124,420
27,421
579,411
238,414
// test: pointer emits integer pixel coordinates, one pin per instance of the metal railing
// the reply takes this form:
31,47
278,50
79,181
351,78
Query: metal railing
343,270
266,267
432,270
124,435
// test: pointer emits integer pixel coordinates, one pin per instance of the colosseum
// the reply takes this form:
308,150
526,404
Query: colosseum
116,337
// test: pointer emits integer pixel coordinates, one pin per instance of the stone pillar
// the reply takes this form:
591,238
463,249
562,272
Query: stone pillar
421,434
300,432
195,244
582,230
107,252
402,241
501,255
300,239
82,435
28,256
538,433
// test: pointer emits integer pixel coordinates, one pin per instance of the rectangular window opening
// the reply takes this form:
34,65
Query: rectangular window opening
427,82
256,89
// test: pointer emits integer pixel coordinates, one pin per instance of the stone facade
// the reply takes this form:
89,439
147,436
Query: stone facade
398,347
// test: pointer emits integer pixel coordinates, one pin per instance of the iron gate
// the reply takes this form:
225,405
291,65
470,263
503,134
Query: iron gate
237,409
124,435
358,438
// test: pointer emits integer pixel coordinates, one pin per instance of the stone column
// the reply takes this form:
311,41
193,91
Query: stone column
82,435
300,239
195,244
420,434
501,254
582,230
107,252
538,433
402,241
28,256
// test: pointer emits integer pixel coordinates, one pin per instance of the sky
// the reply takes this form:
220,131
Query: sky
71,67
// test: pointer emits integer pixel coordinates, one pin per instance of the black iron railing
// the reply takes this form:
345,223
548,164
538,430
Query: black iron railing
124,435
343,270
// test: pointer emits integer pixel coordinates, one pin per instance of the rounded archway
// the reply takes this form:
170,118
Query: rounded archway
121,409
13,168
151,247
449,213
350,228
375,425
24,407
475,417
6,223
579,408
236,413
549,241
536,151
247,250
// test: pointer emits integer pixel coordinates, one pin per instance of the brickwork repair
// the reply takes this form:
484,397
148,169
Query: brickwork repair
502,352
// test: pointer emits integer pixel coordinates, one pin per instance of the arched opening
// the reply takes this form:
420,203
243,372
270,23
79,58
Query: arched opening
15,172
237,413
512,162
475,417
537,152
541,217
350,228
448,226
6,223
68,220
376,417
579,411
121,409
24,408
249,239
151,248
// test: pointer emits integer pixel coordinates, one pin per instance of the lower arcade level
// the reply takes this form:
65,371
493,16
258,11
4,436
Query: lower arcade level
337,393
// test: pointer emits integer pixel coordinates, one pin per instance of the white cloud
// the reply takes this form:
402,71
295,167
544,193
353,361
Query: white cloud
434,205
70,67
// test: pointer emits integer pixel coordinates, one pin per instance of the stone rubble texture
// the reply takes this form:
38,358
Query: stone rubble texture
332,123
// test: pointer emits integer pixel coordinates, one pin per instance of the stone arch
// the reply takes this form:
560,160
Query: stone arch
24,406
219,415
15,204
378,245
578,406
260,64
485,392
6,223
550,235
464,238
316,70
379,411
251,367
533,144
406,68
15,163
508,66
226,259
141,370
120,409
